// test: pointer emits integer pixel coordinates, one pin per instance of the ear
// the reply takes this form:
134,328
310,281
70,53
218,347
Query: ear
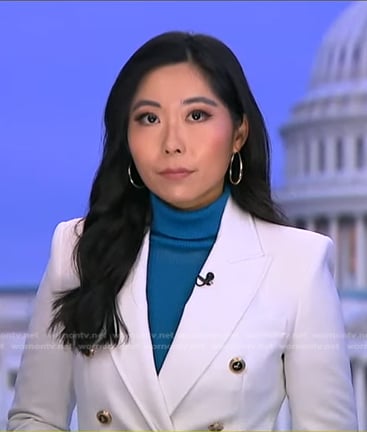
240,135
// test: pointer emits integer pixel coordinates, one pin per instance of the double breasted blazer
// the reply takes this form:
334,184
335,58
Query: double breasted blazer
268,327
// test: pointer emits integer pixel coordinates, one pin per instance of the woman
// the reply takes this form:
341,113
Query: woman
182,301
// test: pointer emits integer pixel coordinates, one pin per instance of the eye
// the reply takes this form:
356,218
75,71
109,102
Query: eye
147,118
198,115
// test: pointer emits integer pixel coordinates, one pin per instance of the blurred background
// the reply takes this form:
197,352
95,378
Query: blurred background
306,63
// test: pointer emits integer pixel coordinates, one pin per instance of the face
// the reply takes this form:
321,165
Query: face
182,137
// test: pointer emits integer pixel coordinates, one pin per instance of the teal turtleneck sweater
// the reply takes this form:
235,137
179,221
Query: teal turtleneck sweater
180,242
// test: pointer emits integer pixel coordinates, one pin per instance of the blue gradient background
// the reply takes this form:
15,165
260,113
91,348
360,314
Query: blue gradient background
58,61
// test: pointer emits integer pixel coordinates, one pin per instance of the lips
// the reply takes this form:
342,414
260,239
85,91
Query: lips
176,173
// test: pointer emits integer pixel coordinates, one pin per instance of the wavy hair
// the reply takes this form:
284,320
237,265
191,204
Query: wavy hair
119,214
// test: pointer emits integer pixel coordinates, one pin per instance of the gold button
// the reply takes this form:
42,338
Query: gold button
216,426
237,365
104,417
89,352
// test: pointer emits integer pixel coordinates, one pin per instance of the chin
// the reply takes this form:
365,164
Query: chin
185,197
181,201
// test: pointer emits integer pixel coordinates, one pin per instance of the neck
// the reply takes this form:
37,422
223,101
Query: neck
187,224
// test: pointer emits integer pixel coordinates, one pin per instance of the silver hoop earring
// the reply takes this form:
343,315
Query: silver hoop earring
240,170
131,179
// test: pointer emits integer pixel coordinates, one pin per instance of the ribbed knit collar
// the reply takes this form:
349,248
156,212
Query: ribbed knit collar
187,224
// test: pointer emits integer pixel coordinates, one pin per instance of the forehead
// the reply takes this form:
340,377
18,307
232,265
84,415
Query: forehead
172,82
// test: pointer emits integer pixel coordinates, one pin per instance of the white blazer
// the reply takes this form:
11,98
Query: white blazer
273,308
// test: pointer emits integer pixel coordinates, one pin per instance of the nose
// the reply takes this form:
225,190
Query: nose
173,142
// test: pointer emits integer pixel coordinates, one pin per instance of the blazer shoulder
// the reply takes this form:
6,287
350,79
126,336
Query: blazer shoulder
64,240
291,240
70,228
299,253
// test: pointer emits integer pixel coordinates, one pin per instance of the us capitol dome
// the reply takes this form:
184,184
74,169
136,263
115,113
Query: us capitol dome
325,140
325,184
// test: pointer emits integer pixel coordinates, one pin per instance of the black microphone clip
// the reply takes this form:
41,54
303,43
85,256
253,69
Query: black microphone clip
208,280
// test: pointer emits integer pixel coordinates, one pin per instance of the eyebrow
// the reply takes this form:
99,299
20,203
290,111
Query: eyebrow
201,99
145,102
196,99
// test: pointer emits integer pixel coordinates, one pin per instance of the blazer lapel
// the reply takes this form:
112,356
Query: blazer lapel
134,360
212,312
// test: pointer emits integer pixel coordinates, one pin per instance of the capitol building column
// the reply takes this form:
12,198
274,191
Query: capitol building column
349,148
334,234
313,157
361,252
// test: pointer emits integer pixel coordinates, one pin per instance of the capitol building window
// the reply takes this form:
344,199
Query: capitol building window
321,156
356,55
307,157
360,153
339,155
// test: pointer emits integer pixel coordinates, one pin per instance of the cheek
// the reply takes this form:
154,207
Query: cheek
138,146
134,139
142,160
217,143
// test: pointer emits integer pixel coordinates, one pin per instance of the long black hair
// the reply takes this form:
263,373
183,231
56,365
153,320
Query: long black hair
119,214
